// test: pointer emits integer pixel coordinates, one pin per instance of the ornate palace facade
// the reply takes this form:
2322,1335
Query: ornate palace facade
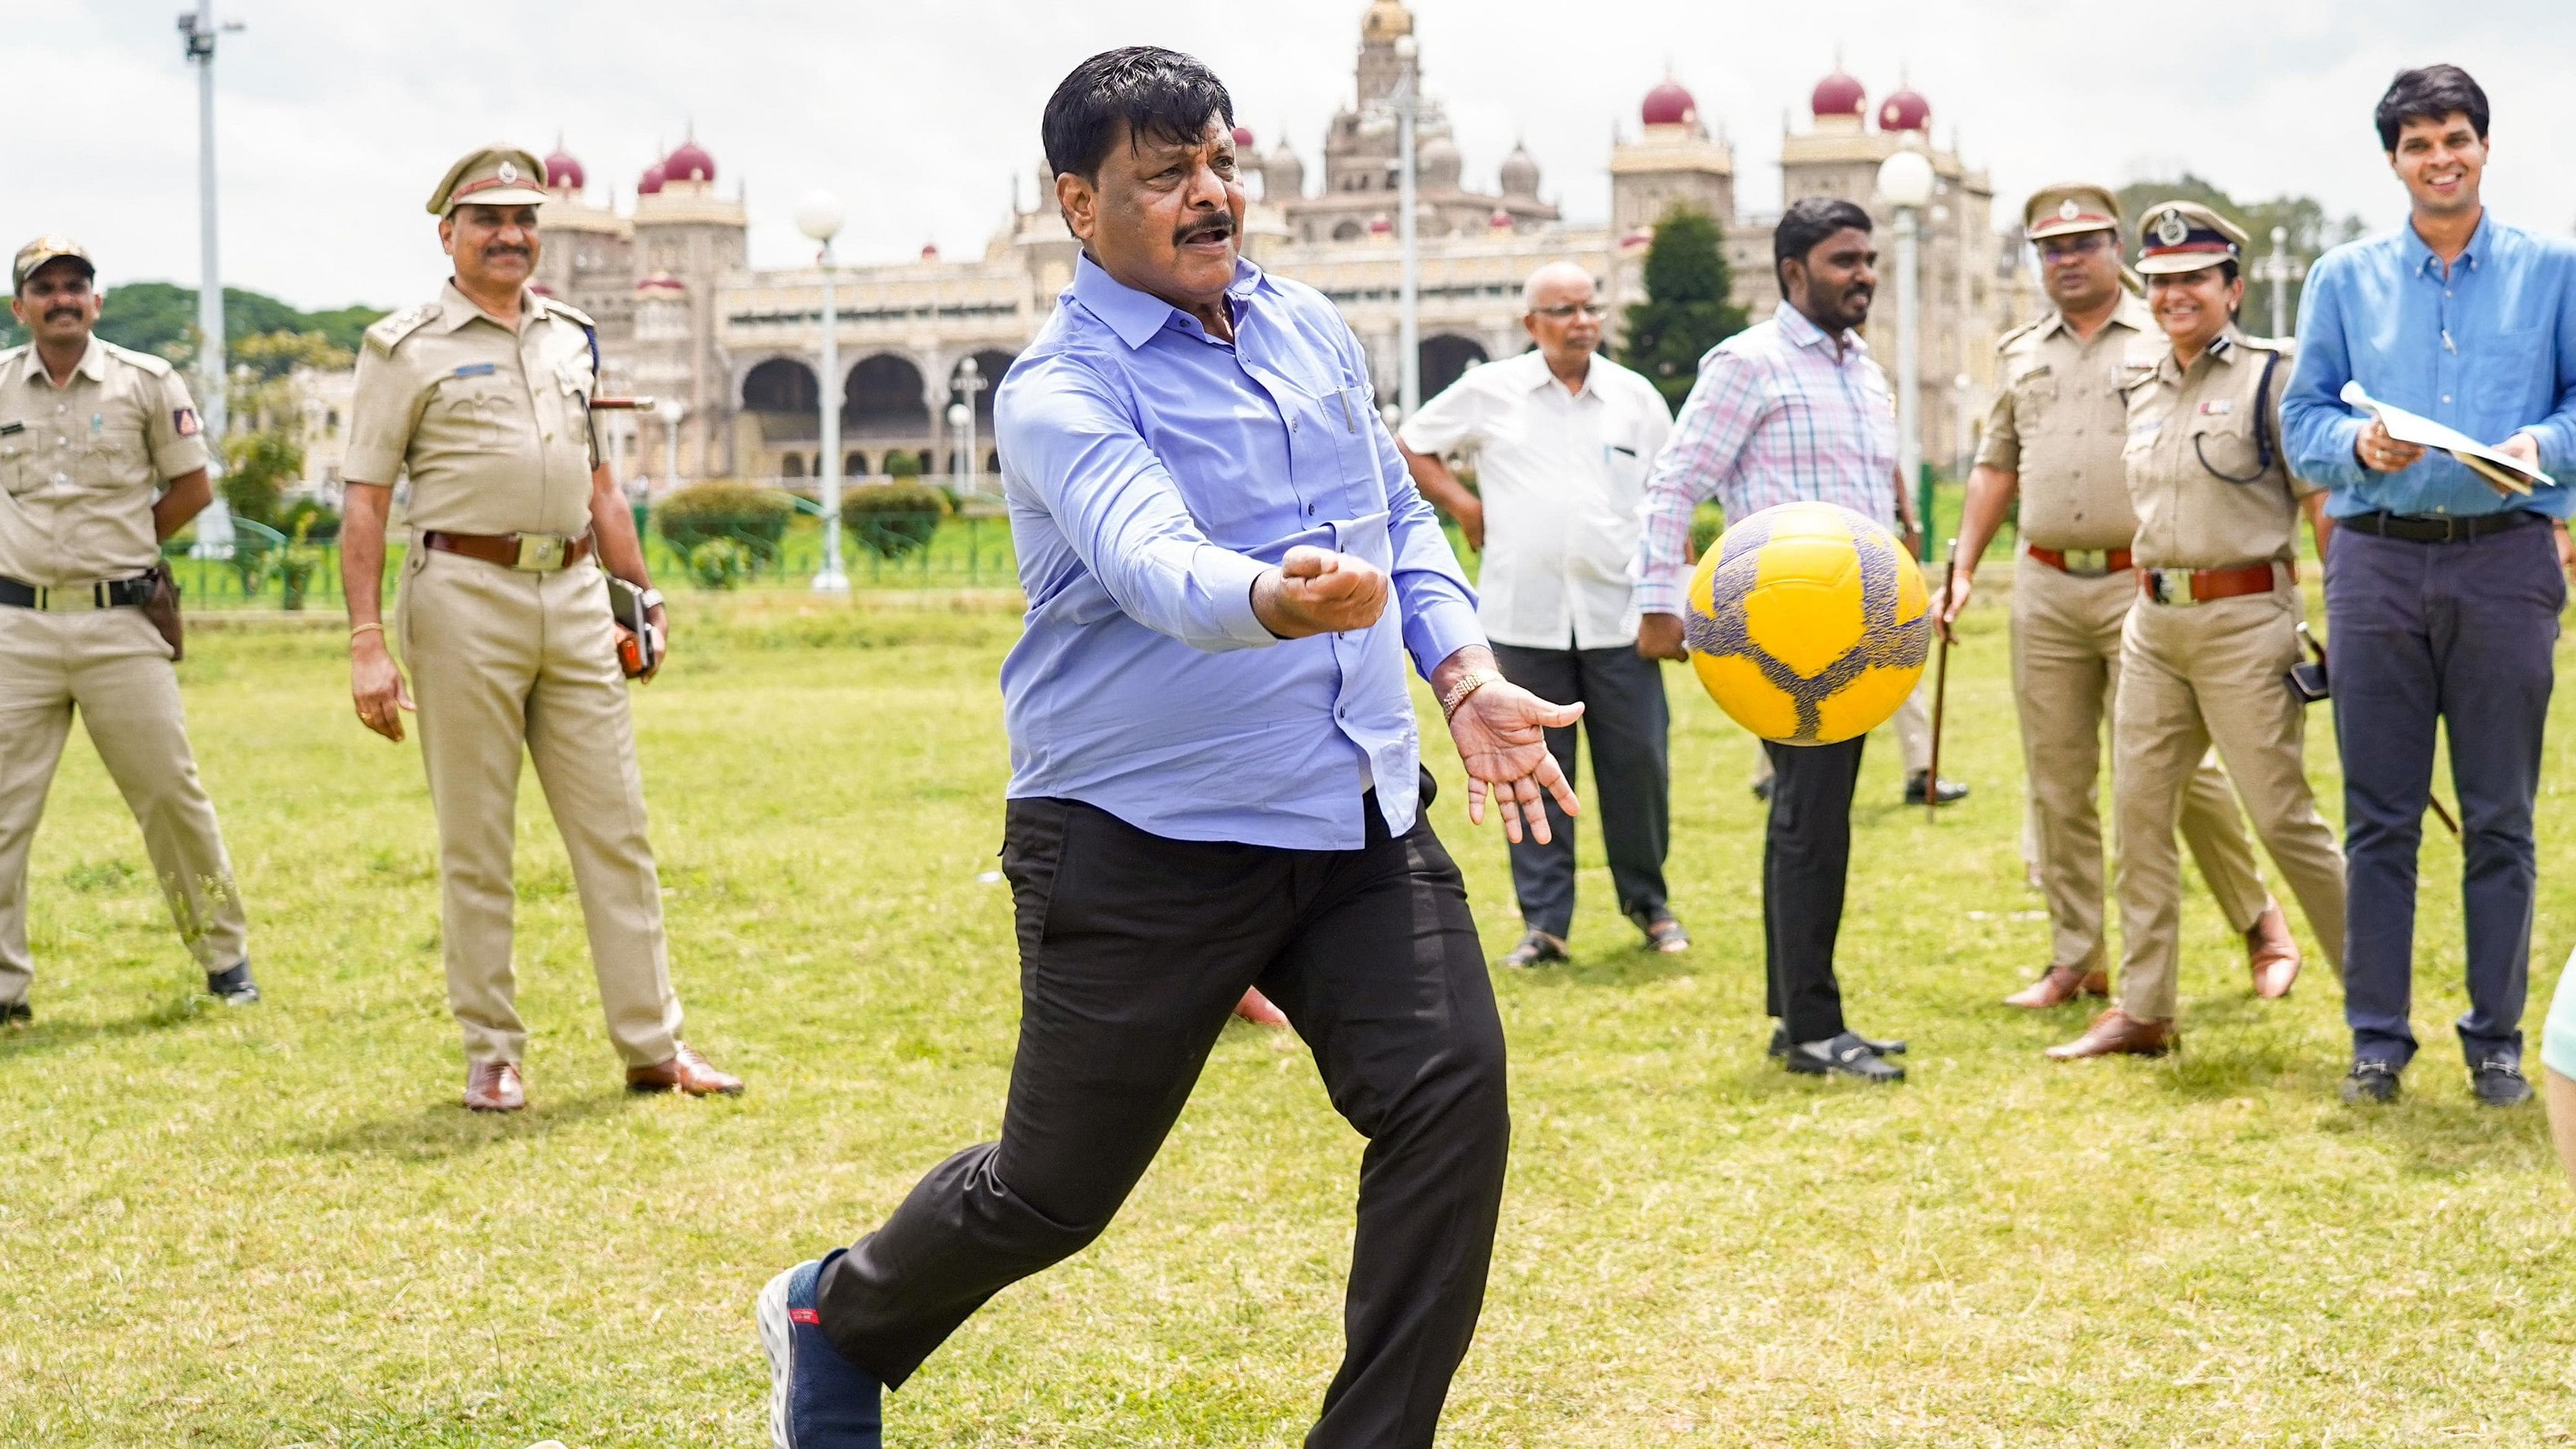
683,317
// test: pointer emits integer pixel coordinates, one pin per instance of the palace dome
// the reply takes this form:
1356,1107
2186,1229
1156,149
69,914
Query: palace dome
563,172
689,163
1386,19
1520,172
651,181
1906,110
1669,105
1839,95
1283,176
1243,139
1439,166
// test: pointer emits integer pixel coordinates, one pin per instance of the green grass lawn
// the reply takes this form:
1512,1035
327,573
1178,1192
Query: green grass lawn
274,1226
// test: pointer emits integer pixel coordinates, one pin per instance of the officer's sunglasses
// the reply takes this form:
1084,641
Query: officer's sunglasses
1592,310
2066,248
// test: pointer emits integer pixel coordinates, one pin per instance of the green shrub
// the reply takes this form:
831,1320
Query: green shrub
719,563
1707,522
896,519
308,519
257,468
901,464
752,517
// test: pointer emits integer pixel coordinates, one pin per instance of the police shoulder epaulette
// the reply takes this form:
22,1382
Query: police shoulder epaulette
151,363
388,332
2017,333
568,312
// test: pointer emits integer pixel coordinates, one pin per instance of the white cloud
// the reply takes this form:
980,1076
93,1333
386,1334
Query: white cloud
335,119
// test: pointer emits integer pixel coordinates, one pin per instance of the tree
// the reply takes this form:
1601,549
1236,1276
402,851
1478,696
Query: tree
2311,231
257,468
161,318
1689,306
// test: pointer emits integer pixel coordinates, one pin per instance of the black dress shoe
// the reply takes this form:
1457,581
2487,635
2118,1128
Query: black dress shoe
16,1013
2499,1083
1780,1044
233,987
1536,949
1952,791
1844,1056
2370,1082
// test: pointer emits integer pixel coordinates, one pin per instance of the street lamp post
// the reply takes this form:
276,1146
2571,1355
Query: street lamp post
1408,109
1905,183
969,381
670,410
2277,271
819,216
197,31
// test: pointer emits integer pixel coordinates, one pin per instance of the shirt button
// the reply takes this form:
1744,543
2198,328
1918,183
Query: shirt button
2446,397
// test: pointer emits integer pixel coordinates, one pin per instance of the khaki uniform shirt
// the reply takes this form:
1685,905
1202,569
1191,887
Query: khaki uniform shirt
81,464
494,426
2059,422
2189,426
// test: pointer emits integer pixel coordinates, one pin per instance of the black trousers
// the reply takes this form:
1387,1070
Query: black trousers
1133,951
1805,857
1626,722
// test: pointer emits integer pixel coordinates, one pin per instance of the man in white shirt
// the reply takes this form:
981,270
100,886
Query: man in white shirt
1562,440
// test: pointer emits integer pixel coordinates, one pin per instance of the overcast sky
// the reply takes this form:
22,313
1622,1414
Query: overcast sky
334,119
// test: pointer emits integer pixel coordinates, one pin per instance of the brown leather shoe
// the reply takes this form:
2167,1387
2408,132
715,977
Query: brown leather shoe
2057,986
686,1071
2116,1033
2272,954
494,1087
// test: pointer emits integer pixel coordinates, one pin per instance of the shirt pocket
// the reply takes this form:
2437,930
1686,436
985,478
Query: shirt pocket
1346,406
2509,377
482,411
2223,445
17,465
115,458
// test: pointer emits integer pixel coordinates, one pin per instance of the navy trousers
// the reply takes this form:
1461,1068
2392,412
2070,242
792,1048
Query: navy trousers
2463,634
1625,720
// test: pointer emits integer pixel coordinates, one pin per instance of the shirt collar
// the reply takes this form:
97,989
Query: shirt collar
93,363
455,309
2132,313
2222,349
1794,325
1539,375
1136,316
2421,260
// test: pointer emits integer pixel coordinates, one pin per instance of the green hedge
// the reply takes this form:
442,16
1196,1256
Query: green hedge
742,513
895,519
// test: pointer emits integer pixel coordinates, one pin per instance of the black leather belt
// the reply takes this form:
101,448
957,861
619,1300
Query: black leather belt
2440,528
114,594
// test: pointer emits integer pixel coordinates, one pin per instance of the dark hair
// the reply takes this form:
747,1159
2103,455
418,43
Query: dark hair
1145,88
2429,94
1803,226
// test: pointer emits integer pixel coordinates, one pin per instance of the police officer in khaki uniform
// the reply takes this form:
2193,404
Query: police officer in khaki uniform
2053,442
2207,650
483,397
88,433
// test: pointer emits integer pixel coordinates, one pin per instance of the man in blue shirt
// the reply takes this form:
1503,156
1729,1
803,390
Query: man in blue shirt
2444,593
1215,784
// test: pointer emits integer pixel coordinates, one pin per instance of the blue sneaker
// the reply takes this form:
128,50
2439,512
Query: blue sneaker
817,1399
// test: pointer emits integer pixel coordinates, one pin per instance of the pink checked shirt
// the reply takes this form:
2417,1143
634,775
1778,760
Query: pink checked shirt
1775,417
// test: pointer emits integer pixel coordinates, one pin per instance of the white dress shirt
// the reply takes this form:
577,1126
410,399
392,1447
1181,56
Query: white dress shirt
1562,474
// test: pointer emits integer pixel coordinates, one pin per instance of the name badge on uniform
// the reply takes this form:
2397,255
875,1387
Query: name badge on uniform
2217,406
2035,373
6,429
474,369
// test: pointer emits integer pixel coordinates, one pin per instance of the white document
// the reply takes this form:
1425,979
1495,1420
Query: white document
2503,470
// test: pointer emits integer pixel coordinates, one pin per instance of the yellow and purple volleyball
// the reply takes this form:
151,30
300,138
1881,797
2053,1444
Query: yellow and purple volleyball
1808,624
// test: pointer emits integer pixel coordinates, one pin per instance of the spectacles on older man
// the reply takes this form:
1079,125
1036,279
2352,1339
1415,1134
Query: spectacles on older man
1593,310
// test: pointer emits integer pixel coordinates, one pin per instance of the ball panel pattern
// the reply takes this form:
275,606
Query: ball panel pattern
1808,624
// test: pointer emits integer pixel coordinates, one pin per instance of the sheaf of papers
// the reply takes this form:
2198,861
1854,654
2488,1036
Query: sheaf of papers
2500,469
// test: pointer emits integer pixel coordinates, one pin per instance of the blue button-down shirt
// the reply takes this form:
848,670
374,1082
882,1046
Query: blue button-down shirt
1153,473
2488,347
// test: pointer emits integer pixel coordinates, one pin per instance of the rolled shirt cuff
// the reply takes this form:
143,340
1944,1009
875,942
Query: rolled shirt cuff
1229,577
1663,591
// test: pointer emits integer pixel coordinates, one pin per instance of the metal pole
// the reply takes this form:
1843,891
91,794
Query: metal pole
831,580
197,30
1909,381
2279,277
1408,297
972,460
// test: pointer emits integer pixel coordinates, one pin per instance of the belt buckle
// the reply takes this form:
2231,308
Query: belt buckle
72,599
541,553
2174,599
2088,563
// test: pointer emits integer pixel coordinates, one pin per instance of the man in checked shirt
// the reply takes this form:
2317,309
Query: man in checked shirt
1788,410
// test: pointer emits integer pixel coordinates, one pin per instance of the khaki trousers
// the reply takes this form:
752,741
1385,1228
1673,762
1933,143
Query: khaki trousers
2066,682
110,665
503,660
2190,677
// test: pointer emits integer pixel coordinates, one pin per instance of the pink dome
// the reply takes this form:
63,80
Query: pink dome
930,251
1243,138
565,173
1501,220
1905,111
1669,105
1380,226
651,181
689,163
660,284
1839,95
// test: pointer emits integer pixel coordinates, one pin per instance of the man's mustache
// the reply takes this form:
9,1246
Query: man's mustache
1219,226
490,253
58,314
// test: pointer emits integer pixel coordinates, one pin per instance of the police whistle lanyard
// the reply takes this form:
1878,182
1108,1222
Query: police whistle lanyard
2262,430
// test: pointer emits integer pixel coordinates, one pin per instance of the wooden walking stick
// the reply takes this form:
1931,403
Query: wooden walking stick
1940,692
